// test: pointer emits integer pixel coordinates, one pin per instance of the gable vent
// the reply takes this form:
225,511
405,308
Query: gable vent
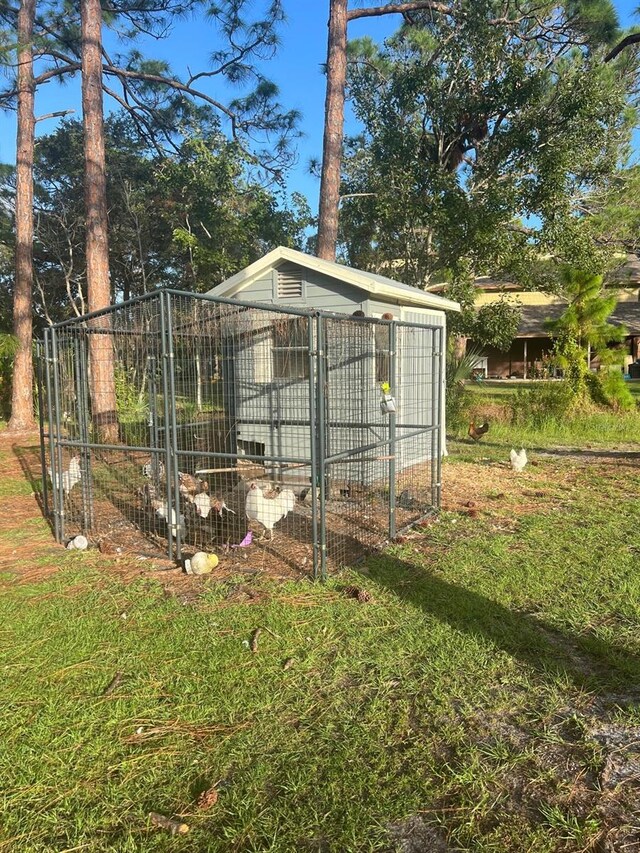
289,282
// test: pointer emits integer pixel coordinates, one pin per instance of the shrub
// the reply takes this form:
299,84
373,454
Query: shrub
8,349
541,403
131,395
458,370
595,389
616,391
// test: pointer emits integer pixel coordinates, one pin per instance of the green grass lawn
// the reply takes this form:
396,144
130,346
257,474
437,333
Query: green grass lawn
461,709
503,390
598,429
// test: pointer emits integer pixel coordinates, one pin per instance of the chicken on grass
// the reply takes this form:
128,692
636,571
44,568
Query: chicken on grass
518,459
268,511
476,431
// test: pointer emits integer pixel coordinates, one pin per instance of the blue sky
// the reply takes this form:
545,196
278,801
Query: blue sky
296,69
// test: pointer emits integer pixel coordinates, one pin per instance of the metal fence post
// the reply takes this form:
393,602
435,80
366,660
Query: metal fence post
440,355
85,421
175,528
154,438
321,421
166,367
52,448
86,481
57,468
392,431
313,444
43,463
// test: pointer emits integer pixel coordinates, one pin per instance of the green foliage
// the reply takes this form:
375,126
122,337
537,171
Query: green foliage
599,426
616,391
614,213
131,394
185,220
571,359
8,350
585,317
471,131
584,324
223,221
459,369
542,403
496,323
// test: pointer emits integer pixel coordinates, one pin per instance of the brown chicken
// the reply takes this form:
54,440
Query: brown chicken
476,432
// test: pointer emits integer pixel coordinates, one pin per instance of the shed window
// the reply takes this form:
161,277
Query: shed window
289,283
291,349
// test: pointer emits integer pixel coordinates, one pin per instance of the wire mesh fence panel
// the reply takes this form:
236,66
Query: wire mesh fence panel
242,426
293,438
119,490
354,505
418,423
382,411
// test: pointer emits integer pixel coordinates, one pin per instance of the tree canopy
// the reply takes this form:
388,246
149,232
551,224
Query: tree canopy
481,141
186,219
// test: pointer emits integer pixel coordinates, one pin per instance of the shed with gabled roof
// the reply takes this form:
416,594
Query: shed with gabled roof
287,277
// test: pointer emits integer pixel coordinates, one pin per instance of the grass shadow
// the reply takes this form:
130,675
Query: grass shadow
29,460
588,661
544,450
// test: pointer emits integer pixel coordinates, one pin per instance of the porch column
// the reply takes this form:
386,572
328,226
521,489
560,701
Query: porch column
524,348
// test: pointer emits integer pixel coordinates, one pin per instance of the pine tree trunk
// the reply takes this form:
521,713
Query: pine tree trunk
333,131
22,391
101,355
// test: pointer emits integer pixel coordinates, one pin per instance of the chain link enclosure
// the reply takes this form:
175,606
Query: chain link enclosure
215,394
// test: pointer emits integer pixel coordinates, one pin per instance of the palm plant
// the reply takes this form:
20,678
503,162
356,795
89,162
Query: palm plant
459,369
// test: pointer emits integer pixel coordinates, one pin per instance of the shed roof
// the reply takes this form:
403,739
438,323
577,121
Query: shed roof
532,322
386,289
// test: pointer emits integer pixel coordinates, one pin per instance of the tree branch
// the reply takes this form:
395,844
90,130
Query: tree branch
633,38
59,114
399,9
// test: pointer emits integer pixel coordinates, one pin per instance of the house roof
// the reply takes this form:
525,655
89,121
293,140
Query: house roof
532,322
626,274
386,288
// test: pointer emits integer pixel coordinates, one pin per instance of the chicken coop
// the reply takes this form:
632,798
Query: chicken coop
293,438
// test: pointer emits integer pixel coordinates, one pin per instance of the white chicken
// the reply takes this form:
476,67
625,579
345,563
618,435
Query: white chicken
171,518
518,460
70,477
203,504
268,511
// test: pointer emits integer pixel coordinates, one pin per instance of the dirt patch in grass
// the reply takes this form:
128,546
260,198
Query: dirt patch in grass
481,489
486,486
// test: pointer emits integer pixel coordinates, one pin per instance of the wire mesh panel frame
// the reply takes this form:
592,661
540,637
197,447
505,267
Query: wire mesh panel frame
315,406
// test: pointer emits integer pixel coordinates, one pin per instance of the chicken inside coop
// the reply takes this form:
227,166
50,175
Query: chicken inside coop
268,509
70,477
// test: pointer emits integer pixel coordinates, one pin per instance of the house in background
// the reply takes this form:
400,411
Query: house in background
525,358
